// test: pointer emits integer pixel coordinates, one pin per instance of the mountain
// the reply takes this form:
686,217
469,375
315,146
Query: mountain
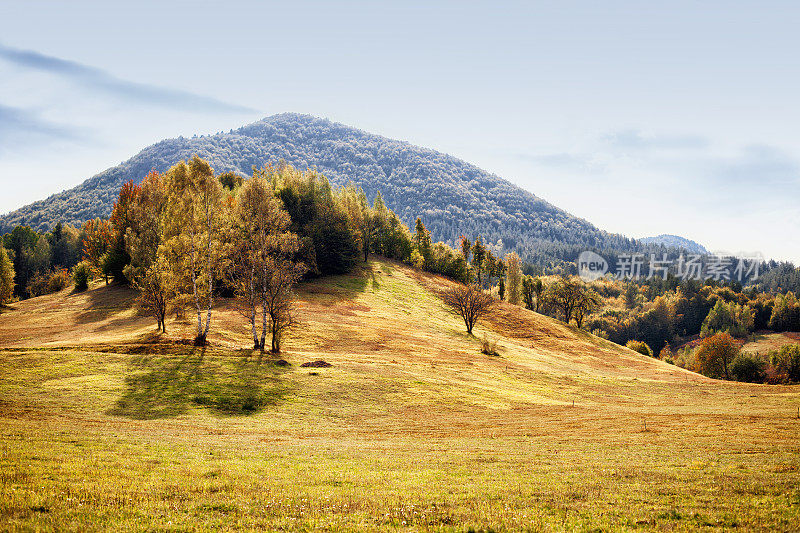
452,197
676,241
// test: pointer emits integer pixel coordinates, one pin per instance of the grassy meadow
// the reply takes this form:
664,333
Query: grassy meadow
105,425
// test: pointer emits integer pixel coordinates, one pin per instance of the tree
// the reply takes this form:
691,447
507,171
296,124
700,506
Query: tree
6,276
422,240
466,246
96,241
728,317
262,243
469,302
21,242
116,258
194,248
527,292
230,180
786,362
155,295
64,246
538,290
281,275
785,313
360,214
148,272
513,277
380,215
749,368
565,296
631,294
640,347
478,259
715,354
586,302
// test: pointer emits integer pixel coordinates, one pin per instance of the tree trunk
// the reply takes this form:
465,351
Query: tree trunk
263,343
253,301
276,343
210,303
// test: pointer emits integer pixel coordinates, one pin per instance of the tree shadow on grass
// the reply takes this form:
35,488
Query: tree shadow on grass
104,302
161,386
349,286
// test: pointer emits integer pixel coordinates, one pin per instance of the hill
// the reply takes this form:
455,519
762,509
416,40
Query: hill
674,241
453,197
103,422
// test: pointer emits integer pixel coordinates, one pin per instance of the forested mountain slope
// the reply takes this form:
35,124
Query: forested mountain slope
453,197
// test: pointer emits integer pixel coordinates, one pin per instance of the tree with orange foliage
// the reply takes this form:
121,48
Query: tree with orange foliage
96,242
715,355
146,271
117,258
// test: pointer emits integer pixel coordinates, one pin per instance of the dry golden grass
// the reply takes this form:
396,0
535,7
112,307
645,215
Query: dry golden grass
764,342
105,425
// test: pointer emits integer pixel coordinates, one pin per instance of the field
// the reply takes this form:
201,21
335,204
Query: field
105,425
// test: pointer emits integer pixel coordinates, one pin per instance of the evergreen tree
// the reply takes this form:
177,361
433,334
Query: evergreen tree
422,240
478,260
466,246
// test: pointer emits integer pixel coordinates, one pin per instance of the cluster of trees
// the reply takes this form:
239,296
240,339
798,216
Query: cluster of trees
186,236
33,264
634,312
779,278
720,356
652,315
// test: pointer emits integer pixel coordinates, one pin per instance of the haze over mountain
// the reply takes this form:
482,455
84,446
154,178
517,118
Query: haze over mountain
677,242
451,196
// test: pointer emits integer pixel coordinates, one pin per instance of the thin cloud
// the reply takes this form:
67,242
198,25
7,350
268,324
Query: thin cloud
759,166
18,126
635,139
100,80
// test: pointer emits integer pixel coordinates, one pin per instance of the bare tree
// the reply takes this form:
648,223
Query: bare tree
279,276
469,302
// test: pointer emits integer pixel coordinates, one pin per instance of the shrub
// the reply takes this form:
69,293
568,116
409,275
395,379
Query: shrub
665,354
489,348
685,359
81,275
58,281
49,282
748,368
641,347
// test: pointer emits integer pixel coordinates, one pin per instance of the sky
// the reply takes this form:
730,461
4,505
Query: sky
641,117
